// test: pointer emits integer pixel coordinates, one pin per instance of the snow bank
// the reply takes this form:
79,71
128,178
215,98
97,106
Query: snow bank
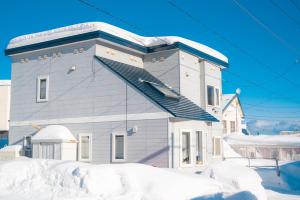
49,179
54,132
284,140
229,152
236,178
101,26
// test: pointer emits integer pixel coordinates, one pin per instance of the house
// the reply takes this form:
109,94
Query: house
124,97
233,115
4,111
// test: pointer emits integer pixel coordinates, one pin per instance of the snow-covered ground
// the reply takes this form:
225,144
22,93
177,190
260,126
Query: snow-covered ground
283,187
49,179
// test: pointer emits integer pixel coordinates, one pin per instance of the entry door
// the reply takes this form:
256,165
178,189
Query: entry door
185,147
200,140
47,150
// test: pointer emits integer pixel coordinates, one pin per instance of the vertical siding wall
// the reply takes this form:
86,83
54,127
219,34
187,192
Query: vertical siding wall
164,66
91,90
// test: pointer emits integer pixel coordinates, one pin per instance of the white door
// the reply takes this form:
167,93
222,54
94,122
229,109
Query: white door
201,144
47,150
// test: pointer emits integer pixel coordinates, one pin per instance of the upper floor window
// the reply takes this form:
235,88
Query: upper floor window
210,95
42,88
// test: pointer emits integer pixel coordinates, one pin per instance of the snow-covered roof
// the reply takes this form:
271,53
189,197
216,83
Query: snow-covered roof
113,30
5,82
263,140
54,133
227,99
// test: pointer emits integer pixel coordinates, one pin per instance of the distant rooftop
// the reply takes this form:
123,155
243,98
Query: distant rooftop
89,27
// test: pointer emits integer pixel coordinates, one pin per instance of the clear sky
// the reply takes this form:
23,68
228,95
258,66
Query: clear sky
260,38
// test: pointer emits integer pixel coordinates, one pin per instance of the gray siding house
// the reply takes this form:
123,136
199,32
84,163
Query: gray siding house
124,97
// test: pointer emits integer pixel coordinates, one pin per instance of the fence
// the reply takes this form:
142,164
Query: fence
268,152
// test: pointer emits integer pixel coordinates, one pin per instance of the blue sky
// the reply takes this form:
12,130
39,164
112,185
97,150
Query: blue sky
262,50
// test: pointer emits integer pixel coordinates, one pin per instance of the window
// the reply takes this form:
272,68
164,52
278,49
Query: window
217,97
118,147
216,146
186,147
224,126
199,148
85,147
232,127
42,88
164,90
210,95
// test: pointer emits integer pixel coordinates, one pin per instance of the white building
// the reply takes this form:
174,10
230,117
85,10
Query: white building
4,111
233,115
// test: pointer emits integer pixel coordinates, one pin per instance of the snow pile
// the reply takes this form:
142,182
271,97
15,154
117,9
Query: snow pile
228,152
54,132
236,177
101,26
284,140
49,179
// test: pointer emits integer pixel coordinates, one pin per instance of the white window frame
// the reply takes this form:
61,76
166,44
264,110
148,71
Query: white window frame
38,99
90,147
191,146
113,146
214,146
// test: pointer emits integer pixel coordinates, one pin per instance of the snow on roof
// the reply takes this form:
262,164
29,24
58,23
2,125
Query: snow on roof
11,148
226,99
5,82
54,133
264,140
113,30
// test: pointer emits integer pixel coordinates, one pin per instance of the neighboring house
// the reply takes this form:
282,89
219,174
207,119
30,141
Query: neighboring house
4,111
233,115
124,97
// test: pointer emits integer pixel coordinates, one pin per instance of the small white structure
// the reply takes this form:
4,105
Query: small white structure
233,115
10,152
54,142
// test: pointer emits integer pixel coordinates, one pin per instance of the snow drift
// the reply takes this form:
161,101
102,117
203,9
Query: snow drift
50,179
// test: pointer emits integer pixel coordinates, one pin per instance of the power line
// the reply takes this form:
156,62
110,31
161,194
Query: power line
180,9
295,4
267,28
285,13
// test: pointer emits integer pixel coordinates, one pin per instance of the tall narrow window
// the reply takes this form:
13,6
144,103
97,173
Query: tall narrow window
216,146
224,126
217,97
210,95
118,147
199,148
85,147
42,88
186,148
232,127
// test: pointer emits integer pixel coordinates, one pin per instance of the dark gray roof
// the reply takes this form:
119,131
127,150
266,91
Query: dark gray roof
179,107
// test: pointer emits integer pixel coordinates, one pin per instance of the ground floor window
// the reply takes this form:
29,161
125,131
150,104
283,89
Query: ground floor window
186,147
85,147
216,146
199,147
224,126
232,126
118,147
